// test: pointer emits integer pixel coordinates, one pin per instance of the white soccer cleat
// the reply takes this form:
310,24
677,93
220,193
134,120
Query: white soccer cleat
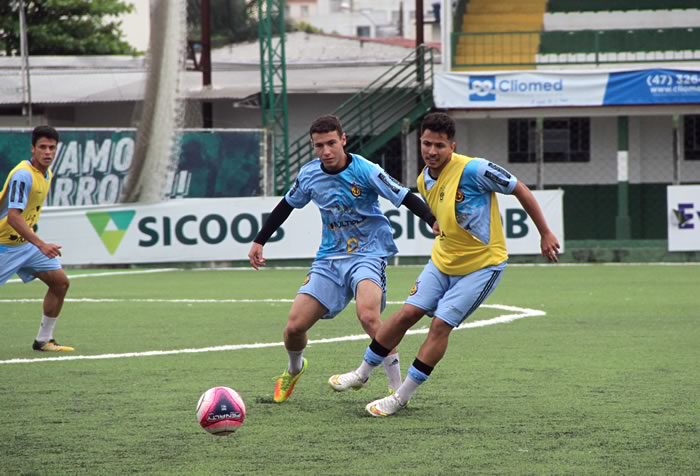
385,406
347,381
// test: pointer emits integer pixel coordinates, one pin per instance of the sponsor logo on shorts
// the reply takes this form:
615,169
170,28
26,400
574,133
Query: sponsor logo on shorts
414,289
307,279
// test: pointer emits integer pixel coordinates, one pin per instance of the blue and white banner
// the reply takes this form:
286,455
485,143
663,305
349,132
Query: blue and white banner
557,89
683,208
653,86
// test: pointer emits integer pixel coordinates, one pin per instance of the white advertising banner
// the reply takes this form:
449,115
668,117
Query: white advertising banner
683,207
503,90
222,230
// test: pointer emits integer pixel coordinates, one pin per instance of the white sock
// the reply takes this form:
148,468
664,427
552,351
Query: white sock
46,328
296,361
364,370
392,367
407,389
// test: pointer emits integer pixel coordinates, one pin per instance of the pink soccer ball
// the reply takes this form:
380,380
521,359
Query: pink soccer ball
220,411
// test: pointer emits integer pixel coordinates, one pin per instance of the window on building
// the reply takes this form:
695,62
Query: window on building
691,137
565,140
364,31
304,11
336,6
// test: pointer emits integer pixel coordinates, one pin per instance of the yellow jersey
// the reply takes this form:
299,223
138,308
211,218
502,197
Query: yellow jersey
456,251
25,188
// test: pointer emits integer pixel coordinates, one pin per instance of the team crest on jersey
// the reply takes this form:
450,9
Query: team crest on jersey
352,245
442,193
307,279
355,190
414,289
460,196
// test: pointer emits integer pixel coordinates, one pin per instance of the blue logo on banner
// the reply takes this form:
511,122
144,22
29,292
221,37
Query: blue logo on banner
653,86
482,88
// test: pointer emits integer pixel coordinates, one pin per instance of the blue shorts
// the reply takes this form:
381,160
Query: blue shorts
25,260
333,282
453,298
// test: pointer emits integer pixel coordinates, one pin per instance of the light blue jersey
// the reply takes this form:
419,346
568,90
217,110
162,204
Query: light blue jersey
353,223
473,202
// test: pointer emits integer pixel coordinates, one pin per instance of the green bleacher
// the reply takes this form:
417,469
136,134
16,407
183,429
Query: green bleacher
566,6
615,41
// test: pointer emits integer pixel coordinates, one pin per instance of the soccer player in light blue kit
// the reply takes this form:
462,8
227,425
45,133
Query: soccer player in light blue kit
467,260
356,242
21,249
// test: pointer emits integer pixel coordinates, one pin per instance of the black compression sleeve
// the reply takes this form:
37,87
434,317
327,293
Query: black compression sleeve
274,221
419,208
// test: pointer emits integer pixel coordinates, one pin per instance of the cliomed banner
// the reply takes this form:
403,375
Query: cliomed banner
560,89
223,229
92,165
683,208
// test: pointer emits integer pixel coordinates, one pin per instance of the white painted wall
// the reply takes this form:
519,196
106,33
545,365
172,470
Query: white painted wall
651,152
379,15
622,20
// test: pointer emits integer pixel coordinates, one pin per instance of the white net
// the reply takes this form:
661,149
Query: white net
156,150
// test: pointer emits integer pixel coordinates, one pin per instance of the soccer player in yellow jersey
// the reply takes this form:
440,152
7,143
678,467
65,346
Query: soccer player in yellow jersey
21,249
467,260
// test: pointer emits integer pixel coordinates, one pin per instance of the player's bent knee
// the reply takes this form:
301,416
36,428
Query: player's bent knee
296,326
369,319
60,285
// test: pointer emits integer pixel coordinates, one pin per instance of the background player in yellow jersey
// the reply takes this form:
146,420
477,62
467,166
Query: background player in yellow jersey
21,249
467,258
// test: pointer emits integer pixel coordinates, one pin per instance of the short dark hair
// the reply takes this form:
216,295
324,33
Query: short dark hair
439,122
47,132
326,124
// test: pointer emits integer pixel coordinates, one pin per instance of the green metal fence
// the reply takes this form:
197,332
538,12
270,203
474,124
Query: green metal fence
375,114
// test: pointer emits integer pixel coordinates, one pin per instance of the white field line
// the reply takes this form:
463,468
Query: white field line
111,273
514,313
243,268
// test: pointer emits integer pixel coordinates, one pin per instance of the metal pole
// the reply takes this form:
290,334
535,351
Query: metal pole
419,23
24,53
539,151
622,221
205,61
446,35
677,147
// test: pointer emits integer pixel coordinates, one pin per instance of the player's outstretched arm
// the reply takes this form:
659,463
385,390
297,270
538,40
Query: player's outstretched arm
419,208
549,244
273,222
16,221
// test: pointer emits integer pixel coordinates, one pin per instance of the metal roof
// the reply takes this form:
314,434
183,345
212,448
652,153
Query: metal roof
315,64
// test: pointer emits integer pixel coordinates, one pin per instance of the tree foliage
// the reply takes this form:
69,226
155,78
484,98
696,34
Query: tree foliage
232,21
65,27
